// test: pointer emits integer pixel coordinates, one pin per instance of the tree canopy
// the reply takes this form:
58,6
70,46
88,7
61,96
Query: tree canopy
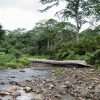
79,10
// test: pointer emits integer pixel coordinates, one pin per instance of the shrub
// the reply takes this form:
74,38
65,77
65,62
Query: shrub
94,59
12,65
24,60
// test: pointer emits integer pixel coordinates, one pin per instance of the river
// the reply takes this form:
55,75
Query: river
10,76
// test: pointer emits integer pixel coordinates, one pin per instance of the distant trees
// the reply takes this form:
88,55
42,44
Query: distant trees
1,32
79,10
52,38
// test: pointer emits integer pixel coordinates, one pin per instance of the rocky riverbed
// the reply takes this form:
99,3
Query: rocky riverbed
72,84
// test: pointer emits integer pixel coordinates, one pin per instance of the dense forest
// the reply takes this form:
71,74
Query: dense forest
52,39
49,39
53,59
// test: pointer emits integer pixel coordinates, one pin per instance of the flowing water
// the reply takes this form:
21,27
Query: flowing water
17,75
7,76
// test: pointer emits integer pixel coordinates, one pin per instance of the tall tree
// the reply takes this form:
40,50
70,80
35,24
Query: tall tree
1,32
79,10
46,28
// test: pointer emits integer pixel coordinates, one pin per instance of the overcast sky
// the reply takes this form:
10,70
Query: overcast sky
23,13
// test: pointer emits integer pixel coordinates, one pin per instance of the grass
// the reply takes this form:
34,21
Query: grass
58,72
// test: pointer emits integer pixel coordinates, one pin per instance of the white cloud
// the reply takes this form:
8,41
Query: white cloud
24,13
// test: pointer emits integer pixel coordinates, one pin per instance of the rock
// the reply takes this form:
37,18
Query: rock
51,86
48,80
44,82
28,89
97,89
62,86
39,97
58,96
2,83
13,83
12,77
3,93
22,70
38,91
15,94
10,88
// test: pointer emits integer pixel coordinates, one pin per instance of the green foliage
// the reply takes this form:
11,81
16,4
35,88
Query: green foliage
94,59
40,57
8,60
58,72
2,32
48,40
78,10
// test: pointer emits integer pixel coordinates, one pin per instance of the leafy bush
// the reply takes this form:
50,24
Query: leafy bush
24,60
94,58
9,60
12,65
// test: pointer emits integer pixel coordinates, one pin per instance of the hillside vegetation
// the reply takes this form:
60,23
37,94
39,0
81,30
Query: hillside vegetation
49,39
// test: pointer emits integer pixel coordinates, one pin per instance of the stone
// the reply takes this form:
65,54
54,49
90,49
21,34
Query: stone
22,70
58,96
15,94
62,86
10,88
97,89
39,97
38,91
12,77
48,80
13,83
51,86
28,89
2,83
3,93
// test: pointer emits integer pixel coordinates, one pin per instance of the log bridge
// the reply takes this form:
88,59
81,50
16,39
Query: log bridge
79,63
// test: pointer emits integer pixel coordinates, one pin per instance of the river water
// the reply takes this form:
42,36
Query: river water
17,75
7,76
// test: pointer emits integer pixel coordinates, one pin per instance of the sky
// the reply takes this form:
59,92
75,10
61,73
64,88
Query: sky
24,13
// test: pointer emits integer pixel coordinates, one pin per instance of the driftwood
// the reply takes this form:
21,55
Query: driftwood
63,63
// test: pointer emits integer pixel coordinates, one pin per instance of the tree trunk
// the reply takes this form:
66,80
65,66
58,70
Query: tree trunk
63,63
77,30
48,43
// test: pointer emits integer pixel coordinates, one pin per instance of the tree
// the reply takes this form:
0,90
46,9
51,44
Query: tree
1,32
78,10
46,29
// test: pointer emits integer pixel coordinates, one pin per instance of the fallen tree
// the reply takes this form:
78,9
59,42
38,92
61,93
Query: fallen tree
63,63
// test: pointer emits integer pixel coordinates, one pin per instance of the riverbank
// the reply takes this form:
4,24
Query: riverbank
71,84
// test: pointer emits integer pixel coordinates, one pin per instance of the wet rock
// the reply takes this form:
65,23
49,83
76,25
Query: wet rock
12,77
22,70
13,83
15,94
2,83
28,89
